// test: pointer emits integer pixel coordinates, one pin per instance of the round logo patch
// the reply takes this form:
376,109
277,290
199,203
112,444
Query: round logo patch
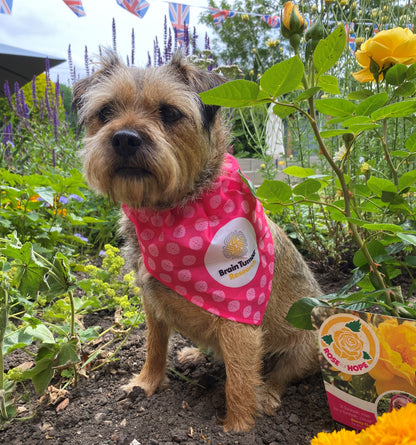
232,257
349,344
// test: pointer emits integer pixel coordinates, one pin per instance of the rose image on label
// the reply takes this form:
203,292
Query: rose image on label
396,368
232,258
349,344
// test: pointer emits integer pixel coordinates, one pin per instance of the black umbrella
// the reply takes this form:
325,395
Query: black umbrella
20,65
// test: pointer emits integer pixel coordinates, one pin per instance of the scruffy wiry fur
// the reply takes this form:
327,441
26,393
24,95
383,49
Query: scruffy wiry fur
150,142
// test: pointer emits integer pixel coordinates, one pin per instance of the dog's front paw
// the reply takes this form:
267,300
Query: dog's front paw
238,423
270,402
148,385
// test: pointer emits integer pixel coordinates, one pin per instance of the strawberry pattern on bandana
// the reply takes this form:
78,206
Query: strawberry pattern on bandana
217,251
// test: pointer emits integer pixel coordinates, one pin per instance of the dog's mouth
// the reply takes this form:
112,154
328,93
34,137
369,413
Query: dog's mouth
132,172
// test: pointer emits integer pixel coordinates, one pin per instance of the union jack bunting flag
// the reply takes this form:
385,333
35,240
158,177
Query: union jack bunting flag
6,6
136,7
179,17
349,30
271,20
220,15
76,7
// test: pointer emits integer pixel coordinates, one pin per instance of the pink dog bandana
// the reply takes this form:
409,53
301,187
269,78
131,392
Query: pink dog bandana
217,252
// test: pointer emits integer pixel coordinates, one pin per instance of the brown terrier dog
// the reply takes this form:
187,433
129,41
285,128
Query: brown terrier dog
154,147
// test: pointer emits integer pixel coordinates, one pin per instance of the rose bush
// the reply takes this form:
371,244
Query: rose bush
386,48
347,344
396,366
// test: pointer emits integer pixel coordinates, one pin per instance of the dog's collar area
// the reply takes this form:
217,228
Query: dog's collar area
216,251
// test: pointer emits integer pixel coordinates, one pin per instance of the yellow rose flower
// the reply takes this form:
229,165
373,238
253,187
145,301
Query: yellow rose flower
347,344
396,366
386,48
292,20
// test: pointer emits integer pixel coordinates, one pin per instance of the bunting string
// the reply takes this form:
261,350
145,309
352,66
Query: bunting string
179,14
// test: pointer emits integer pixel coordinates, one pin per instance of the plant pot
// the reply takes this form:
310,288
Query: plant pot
368,363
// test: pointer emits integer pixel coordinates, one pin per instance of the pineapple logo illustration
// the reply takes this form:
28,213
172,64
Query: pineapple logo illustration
235,245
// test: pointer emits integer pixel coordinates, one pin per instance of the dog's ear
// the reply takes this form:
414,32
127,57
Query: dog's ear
109,62
199,81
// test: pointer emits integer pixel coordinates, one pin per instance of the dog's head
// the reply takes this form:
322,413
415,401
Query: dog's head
150,142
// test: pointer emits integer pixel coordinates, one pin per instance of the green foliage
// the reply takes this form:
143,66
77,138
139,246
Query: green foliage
51,229
375,200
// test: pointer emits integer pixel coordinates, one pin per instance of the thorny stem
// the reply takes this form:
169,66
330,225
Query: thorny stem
387,154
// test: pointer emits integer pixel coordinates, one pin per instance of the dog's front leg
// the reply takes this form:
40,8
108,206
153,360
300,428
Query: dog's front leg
153,374
241,348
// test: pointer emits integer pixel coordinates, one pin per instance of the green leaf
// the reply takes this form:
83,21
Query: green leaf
407,179
377,251
411,72
383,226
329,84
299,172
407,89
68,354
248,183
235,94
333,133
61,279
409,238
299,314
366,356
328,339
43,371
396,74
329,50
31,271
399,153
378,185
307,94
46,193
282,111
335,107
359,95
274,192
400,109
371,104
40,332
282,78
410,143
307,188
355,326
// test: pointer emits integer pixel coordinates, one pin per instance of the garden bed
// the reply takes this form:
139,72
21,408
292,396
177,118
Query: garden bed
96,411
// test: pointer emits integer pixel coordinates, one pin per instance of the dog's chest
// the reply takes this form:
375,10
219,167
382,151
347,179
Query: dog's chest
216,252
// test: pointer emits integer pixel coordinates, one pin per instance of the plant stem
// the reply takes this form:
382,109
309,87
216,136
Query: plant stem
3,323
347,200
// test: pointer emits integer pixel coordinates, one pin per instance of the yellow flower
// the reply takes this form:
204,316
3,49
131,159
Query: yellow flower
386,48
365,167
292,20
396,366
342,437
245,17
396,427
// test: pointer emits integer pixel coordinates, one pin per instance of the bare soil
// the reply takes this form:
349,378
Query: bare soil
97,411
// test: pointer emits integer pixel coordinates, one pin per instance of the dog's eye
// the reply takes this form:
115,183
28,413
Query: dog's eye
169,114
105,114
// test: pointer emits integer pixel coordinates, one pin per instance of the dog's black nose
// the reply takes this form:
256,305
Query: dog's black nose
126,142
